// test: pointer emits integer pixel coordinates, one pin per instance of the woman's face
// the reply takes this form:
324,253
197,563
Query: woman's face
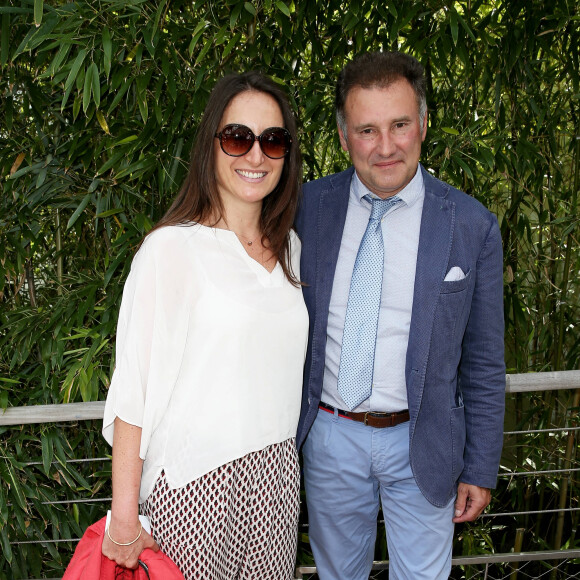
248,179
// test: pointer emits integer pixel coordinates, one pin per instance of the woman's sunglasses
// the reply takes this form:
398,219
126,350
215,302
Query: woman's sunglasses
237,140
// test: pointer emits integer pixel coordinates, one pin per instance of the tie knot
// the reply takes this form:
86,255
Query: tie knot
381,206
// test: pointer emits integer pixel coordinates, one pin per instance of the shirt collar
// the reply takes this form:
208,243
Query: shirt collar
410,194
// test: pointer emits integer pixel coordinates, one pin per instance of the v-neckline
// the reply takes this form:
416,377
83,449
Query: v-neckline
269,276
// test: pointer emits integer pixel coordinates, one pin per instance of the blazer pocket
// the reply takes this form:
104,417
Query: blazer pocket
456,285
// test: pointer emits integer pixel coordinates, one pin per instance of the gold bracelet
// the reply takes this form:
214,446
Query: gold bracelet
128,543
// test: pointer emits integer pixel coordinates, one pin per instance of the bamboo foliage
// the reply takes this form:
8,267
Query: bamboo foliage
100,100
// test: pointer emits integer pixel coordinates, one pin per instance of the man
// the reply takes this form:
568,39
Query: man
404,377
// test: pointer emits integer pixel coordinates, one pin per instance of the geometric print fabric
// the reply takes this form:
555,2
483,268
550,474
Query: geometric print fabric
357,357
237,522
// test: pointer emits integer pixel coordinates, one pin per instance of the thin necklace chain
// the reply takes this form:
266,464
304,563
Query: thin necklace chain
246,240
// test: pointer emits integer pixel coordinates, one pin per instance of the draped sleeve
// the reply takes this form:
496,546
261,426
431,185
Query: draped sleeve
151,333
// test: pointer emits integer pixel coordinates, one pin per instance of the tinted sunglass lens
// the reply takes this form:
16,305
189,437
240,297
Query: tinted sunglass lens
236,141
275,142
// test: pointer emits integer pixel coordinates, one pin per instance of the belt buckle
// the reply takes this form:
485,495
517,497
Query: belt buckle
377,414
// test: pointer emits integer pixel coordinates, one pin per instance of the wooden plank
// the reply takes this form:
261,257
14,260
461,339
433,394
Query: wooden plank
52,413
549,381
520,383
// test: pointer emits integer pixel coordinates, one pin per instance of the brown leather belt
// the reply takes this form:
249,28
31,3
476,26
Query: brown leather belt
370,418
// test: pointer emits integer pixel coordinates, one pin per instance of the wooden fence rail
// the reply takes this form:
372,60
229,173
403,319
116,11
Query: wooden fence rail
517,383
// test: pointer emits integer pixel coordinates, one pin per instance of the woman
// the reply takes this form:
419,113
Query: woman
204,402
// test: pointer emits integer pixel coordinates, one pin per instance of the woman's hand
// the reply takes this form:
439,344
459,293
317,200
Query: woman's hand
127,556
125,526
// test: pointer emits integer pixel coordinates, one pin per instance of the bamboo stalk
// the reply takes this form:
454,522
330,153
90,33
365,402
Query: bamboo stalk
30,281
59,261
518,543
567,260
559,349
565,481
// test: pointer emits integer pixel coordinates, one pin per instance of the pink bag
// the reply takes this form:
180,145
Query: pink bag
88,563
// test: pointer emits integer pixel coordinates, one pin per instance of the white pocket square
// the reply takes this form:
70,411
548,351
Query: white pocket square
456,273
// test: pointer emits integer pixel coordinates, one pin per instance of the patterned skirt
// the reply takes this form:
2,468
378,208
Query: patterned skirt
237,522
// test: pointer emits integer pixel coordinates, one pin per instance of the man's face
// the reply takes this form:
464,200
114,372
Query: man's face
384,136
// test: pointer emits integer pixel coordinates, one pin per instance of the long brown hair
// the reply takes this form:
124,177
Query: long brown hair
199,200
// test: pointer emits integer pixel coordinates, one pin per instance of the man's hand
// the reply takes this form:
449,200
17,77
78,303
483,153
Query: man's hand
471,501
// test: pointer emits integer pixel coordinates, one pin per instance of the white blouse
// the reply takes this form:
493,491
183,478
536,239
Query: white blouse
209,354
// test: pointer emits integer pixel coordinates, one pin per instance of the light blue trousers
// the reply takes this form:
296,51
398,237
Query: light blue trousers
346,466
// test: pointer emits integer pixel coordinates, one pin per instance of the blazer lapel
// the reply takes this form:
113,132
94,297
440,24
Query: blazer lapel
332,210
435,238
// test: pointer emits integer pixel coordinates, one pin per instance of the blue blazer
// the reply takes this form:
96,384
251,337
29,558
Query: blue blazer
455,369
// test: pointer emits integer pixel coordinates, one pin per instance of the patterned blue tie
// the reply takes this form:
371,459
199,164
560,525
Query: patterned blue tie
357,357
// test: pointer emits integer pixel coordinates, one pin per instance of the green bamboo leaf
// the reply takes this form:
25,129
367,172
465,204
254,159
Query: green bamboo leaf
450,130
120,93
465,26
112,268
5,542
176,159
111,162
234,41
77,106
250,8
15,486
126,140
107,50
200,27
464,166
84,386
14,10
158,15
283,8
488,157
111,212
41,177
221,35
206,47
197,34
79,210
87,89
146,163
103,122
235,15
94,184
26,170
68,85
96,88
75,68
454,26
10,381
143,106
47,452
38,10
55,65
37,35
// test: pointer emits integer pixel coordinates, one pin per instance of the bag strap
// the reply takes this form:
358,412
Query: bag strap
144,566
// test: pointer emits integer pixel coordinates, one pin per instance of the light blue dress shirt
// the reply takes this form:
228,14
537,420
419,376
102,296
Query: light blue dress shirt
401,226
